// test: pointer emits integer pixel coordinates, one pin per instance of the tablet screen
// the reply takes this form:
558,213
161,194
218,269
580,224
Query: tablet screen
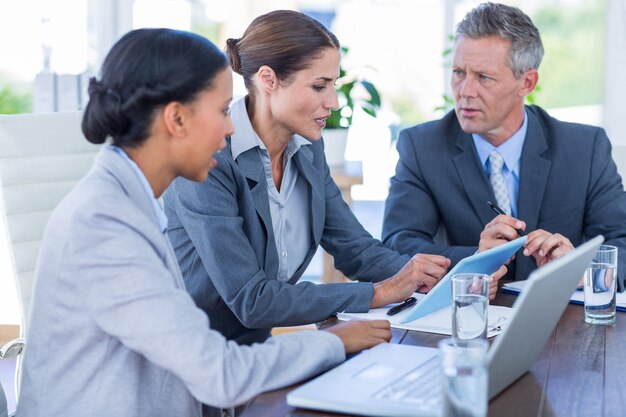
486,262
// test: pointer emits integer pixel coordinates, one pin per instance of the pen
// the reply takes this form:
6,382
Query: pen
499,211
407,303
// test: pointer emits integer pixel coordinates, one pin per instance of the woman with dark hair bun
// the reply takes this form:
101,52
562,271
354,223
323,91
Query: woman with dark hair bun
113,331
272,201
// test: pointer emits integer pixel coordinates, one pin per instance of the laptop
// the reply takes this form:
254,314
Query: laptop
400,381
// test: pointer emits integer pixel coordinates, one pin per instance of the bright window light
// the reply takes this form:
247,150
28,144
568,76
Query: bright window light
175,14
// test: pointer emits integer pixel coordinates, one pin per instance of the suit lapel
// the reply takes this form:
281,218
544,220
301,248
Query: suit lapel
136,192
534,170
304,163
473,177
128,180
252,168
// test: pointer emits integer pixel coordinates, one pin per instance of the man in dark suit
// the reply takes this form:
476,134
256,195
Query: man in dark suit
555,180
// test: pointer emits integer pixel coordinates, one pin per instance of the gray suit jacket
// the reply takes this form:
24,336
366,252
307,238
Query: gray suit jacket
113,331
3,403
568,184
221,231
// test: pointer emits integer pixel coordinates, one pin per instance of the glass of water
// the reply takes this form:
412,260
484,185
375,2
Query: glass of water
465,377
469,306
600,286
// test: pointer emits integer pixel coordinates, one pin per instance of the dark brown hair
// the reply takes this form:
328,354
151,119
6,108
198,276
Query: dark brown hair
146,69
284,40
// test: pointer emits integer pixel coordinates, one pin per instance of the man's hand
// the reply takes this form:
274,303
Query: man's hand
421,273
500,230
546,247
495,277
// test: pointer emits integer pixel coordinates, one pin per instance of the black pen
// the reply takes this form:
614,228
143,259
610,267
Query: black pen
499,211
407,303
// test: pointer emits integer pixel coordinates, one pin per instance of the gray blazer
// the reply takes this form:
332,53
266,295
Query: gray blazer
3,403
568,184
113,331
221,231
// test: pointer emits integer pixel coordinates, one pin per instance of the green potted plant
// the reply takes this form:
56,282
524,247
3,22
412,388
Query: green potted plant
352,91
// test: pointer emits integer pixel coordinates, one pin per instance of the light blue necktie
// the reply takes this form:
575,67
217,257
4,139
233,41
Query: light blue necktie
497,182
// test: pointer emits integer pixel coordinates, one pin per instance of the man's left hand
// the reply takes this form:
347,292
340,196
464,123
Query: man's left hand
546,247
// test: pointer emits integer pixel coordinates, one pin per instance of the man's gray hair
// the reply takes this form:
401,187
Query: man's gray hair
510,23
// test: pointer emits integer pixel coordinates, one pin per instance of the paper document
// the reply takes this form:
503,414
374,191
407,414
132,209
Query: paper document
438,322
577,298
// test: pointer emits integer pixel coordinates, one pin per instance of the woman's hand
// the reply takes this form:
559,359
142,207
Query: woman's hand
421,274
357,335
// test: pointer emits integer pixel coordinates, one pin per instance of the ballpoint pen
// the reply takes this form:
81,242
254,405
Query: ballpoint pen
500,211
405,304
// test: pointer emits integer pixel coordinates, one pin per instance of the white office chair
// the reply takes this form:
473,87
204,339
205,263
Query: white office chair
42,157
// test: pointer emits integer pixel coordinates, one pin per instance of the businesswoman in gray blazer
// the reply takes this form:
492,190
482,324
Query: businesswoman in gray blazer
113,331
272,202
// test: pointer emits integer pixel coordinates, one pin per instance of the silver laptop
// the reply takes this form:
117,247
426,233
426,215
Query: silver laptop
400,380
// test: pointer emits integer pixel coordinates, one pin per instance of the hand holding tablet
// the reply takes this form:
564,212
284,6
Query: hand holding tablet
486,262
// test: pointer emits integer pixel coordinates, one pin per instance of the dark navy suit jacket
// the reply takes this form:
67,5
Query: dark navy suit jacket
568,184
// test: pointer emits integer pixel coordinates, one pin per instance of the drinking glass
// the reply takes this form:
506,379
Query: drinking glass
465,377
470,298
600,286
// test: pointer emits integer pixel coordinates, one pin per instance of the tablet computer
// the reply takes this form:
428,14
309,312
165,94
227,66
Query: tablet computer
486,262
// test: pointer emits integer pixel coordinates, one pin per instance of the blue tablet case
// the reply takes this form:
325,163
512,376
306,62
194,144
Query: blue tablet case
486,262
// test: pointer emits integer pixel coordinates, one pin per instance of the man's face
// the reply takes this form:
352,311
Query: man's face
489,100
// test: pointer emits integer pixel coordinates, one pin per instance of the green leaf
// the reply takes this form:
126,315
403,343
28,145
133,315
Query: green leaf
373,92
346,88
334,121
369,111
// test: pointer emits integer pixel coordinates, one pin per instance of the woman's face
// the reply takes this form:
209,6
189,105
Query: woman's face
302,103
209,124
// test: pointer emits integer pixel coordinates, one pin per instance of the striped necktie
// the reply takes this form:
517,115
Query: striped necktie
497,182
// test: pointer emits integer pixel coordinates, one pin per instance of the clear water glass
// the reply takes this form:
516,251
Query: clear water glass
600,286
465,377
470,299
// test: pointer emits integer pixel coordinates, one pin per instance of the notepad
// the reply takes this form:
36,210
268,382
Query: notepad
486,262
439,322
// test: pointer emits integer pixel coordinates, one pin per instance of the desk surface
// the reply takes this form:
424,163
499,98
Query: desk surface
580,372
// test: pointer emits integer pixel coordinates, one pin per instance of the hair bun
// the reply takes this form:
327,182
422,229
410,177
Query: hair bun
231,43
95,87
232,49
104,115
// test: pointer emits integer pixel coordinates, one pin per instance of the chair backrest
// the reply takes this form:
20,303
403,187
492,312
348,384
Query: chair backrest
42,157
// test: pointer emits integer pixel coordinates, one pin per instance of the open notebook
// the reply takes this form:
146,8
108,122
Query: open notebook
438,322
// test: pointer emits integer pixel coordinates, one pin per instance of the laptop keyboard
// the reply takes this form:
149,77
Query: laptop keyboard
421,386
